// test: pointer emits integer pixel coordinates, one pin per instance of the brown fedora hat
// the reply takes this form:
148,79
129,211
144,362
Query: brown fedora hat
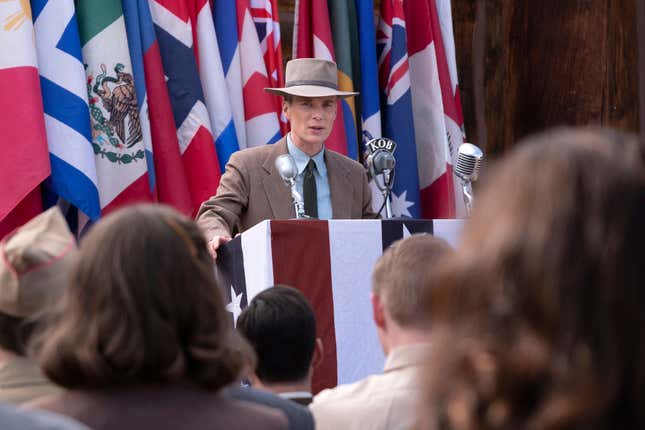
34,264
310,77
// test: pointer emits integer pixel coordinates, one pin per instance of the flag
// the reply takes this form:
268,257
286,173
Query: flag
447,64
433,152
225,17
213,80
25,158
136,56
335,261
342,16
170,180
312,39
174,33
67,117
267,24
117,136
261,115
396,96
369,89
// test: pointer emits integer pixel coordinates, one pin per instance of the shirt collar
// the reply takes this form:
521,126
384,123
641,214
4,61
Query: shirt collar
408,355
302,158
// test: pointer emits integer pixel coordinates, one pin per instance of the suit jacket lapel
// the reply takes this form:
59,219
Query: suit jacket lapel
277,192
340,186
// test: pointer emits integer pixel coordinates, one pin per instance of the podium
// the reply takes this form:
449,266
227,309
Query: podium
331,263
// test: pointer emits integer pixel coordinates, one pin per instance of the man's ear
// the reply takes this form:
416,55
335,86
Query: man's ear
285,109
378,311
319,350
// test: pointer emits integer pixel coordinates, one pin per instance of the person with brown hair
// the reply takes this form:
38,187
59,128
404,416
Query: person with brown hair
400,281
140,339
540,311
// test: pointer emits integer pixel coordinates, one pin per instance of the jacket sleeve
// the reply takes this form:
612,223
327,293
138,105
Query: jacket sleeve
219,215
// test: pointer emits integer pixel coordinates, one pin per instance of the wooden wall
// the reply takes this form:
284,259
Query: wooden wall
526,65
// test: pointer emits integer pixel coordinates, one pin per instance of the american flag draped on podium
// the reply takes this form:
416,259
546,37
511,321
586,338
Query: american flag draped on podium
334,261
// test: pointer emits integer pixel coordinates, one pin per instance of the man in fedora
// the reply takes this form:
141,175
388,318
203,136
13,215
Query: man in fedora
333,186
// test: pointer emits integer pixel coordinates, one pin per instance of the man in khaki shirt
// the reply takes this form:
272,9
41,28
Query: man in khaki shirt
34,266
389,400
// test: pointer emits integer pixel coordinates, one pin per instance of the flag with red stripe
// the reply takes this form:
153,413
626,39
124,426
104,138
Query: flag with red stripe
117,136
433,150
170,180
267,23
261,113
331,263
25,156
441,14
312,38
175,35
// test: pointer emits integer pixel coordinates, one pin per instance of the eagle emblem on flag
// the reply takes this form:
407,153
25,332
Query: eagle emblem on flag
115,97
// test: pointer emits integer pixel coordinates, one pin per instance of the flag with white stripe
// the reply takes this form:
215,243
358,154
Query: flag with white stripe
175,37
117,136
330,262
64,93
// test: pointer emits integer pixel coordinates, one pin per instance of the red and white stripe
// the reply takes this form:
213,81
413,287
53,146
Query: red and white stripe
260,111
25,156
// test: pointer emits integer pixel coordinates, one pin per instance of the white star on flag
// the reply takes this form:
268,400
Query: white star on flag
235,306
400,205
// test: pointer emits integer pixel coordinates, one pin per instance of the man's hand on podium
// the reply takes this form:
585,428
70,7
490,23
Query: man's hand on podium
215,243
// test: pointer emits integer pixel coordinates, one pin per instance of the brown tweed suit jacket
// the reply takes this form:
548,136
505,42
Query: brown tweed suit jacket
251,190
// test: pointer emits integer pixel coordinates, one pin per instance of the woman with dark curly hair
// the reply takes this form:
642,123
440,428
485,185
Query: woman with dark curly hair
140,339
541,312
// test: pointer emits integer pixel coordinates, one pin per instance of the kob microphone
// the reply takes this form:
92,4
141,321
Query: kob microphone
380,166
286,167
469,159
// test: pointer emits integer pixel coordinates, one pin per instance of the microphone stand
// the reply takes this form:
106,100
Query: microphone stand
467,191
298,202
386,190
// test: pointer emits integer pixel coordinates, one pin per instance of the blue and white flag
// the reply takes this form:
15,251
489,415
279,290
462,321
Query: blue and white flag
214,83
225,17
65,100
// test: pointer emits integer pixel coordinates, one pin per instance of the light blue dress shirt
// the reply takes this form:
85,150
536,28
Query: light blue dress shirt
322,182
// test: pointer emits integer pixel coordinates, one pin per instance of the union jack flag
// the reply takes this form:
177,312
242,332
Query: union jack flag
267,24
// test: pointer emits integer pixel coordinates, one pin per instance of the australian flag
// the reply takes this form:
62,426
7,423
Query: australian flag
396,106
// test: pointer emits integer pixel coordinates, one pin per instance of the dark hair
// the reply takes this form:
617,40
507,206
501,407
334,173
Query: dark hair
403,276
543,303
142,307
287,98
280,325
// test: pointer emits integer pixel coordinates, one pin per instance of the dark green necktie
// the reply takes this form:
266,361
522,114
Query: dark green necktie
309,190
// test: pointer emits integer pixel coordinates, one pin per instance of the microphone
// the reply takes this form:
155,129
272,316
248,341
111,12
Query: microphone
380,163
286,167
469,159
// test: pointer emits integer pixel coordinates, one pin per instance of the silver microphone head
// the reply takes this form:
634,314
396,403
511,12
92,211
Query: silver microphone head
382,160
286,167
469,158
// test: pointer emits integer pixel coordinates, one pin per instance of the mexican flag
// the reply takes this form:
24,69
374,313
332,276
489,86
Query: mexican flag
117,137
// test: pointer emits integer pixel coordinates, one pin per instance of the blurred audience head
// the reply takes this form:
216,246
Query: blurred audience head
142,308
401,280
280,325
541,309
34,270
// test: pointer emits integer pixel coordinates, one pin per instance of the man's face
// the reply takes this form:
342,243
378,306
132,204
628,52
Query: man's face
311,120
